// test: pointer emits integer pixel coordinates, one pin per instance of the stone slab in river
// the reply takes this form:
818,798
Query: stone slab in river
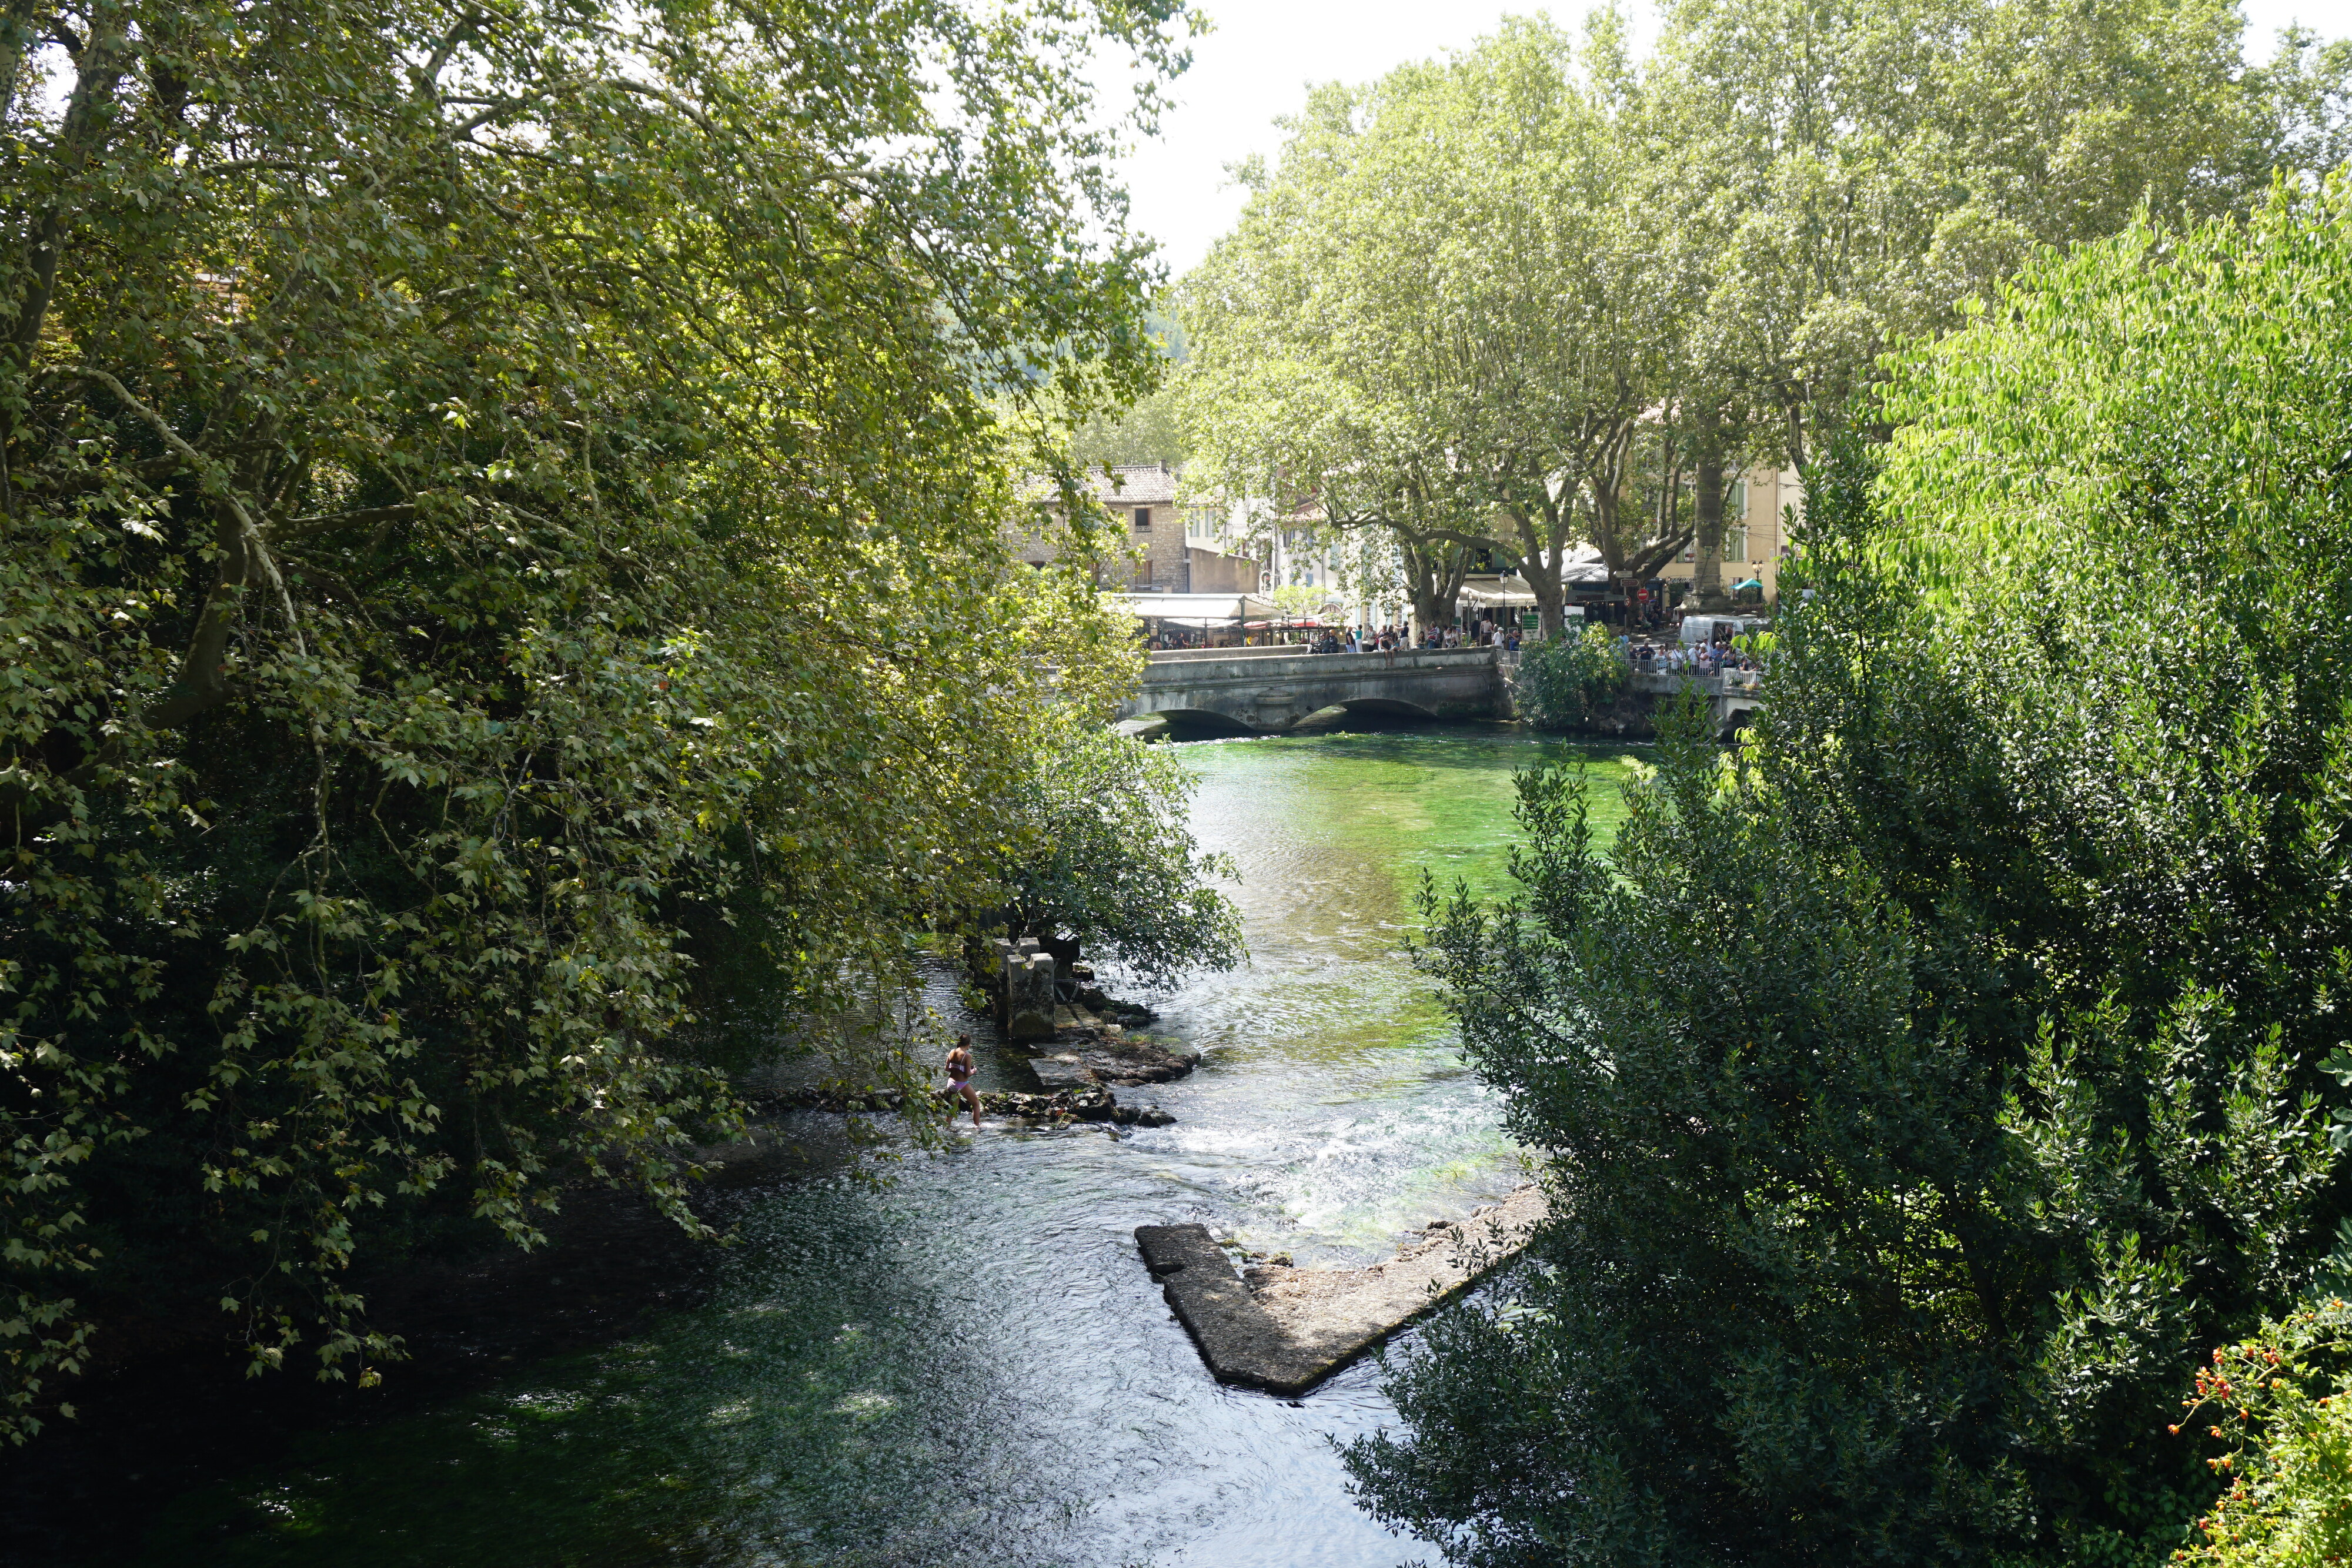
1239,1342
1285,1330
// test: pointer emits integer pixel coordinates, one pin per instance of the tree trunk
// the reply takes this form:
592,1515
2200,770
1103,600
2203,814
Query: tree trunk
1551,597
1792,408
1433,571
1542,552
1707,498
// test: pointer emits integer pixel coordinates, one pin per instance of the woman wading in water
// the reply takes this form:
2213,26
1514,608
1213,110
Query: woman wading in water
959,1077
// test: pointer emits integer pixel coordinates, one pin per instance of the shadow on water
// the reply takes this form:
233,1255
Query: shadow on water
968,1365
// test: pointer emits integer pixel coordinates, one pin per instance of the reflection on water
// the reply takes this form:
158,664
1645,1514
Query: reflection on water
970,1366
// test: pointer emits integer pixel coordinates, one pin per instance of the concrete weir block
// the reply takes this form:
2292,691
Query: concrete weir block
1239,1342
1285,1330
1028,993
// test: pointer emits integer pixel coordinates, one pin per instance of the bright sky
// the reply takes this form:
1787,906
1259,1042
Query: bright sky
1257,66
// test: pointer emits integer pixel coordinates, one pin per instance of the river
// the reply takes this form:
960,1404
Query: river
967,1364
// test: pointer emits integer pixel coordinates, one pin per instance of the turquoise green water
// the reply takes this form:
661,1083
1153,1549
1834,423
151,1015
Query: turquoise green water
970,1365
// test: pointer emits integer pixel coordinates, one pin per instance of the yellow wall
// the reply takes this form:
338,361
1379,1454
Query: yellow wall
1767,491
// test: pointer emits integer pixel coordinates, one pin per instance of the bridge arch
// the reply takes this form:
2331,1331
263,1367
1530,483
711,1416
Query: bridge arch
1200,724
1271,691
1368,708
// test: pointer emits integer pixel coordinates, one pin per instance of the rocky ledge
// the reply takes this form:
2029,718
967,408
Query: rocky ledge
1285,1330
1086,1103
1113,1059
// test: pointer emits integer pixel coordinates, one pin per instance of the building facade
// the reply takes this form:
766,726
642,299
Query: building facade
1757,512
1177,549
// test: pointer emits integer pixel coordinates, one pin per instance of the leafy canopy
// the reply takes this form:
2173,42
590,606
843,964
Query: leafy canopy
1111,860
500,556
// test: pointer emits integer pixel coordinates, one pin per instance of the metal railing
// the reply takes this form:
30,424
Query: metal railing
1203,655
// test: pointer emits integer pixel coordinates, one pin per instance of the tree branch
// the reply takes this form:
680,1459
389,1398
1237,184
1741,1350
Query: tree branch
102,66
200,685
327,522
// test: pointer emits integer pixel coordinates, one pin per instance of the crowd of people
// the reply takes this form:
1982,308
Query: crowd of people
1679,658
1485,633
1482,634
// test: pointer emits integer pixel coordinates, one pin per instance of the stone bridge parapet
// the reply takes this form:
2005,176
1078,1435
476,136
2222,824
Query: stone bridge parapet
1265,691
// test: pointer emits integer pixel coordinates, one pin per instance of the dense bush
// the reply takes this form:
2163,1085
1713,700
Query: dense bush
1930,1085
1564,679
1104,853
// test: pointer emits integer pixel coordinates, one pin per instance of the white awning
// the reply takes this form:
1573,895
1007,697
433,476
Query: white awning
1499,597
1196,609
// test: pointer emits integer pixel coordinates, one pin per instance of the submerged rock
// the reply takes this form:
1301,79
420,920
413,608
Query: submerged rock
1114,1060
1082,1101
1063,1073
1136,1062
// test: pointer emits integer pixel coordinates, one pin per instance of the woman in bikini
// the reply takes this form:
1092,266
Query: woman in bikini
959,1069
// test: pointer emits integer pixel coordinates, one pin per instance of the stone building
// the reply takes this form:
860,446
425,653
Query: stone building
1181,549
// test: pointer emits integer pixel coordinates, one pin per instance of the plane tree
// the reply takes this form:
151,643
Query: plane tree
1870,165
1445,312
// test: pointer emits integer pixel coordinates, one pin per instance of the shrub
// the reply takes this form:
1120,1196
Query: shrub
1562,680
2280,1401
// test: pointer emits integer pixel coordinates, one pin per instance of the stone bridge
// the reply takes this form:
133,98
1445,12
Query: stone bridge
1229,691
1235,691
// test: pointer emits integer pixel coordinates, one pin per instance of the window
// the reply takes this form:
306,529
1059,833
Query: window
1735,542
1142,520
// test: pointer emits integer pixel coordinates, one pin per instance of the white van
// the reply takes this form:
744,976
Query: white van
1719,629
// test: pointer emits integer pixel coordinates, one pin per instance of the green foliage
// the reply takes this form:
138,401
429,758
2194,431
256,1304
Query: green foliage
2279,1407
1440,311
1869,166
1148,432
1808,1225
1931,1083
501,525
1106,855
1564,679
